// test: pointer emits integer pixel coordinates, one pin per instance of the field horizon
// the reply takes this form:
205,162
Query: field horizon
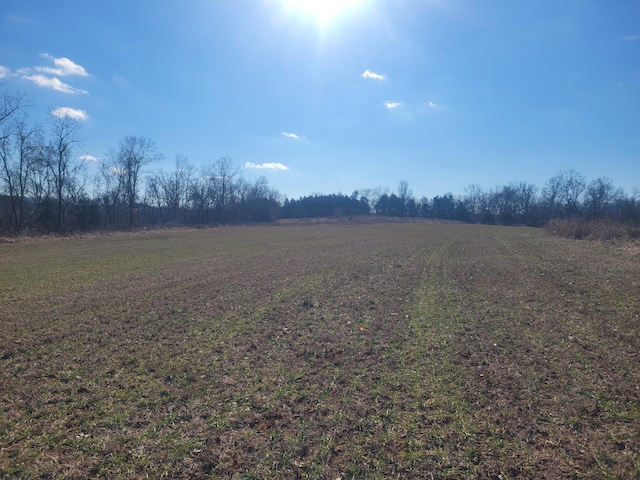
408,350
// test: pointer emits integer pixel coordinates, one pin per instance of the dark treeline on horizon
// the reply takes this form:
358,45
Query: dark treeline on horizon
566,195
44,189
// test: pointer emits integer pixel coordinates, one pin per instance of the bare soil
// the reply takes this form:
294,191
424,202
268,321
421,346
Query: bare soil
320,351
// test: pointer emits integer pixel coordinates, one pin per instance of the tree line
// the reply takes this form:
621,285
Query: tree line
44,187
565,195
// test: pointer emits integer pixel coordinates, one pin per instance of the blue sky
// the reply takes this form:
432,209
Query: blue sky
327,97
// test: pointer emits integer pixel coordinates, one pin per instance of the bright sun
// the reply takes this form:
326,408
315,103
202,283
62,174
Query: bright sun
322,11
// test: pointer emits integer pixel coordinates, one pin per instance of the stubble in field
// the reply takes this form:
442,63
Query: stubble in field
325,351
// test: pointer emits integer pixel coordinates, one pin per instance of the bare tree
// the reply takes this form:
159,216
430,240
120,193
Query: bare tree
550,197
11,103
474,199
406,198
63,166
127,166
20,153
599,196
527,201
176,186
572,186
372,196
258,202
221,177
506,199
201,197
563,193
111,186
171,190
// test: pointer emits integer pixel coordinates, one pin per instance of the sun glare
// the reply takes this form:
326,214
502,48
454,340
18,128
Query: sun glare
322,11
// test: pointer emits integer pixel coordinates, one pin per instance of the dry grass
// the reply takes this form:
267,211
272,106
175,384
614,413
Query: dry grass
323,351
601,230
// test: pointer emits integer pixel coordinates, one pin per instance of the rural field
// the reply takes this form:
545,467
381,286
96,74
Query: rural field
385,351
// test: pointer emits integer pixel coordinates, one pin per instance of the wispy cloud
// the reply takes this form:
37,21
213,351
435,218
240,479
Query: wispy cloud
431,104
266,166
120,81
4,71
632,37
47,76
62,67
89,158
392,105
373,75
17,19
74,113
290,135
53,83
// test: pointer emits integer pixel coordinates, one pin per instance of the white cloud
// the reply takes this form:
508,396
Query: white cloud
53,83
74,113
4,71
63,67
47,77
266,166
392,105
373,75
89,158
291,135
632,37
432,105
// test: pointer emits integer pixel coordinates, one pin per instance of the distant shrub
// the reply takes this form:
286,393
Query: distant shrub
602,230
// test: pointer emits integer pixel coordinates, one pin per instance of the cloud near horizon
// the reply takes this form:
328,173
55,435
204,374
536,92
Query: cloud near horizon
266,166
373,75
89,158
76,114
4,71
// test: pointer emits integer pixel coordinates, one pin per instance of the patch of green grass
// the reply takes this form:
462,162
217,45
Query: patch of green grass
324,351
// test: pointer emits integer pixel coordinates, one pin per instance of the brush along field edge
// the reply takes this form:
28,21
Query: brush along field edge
370,351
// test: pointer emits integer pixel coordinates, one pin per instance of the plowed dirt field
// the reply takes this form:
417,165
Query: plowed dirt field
322,351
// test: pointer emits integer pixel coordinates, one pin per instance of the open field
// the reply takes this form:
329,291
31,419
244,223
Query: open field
321,351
